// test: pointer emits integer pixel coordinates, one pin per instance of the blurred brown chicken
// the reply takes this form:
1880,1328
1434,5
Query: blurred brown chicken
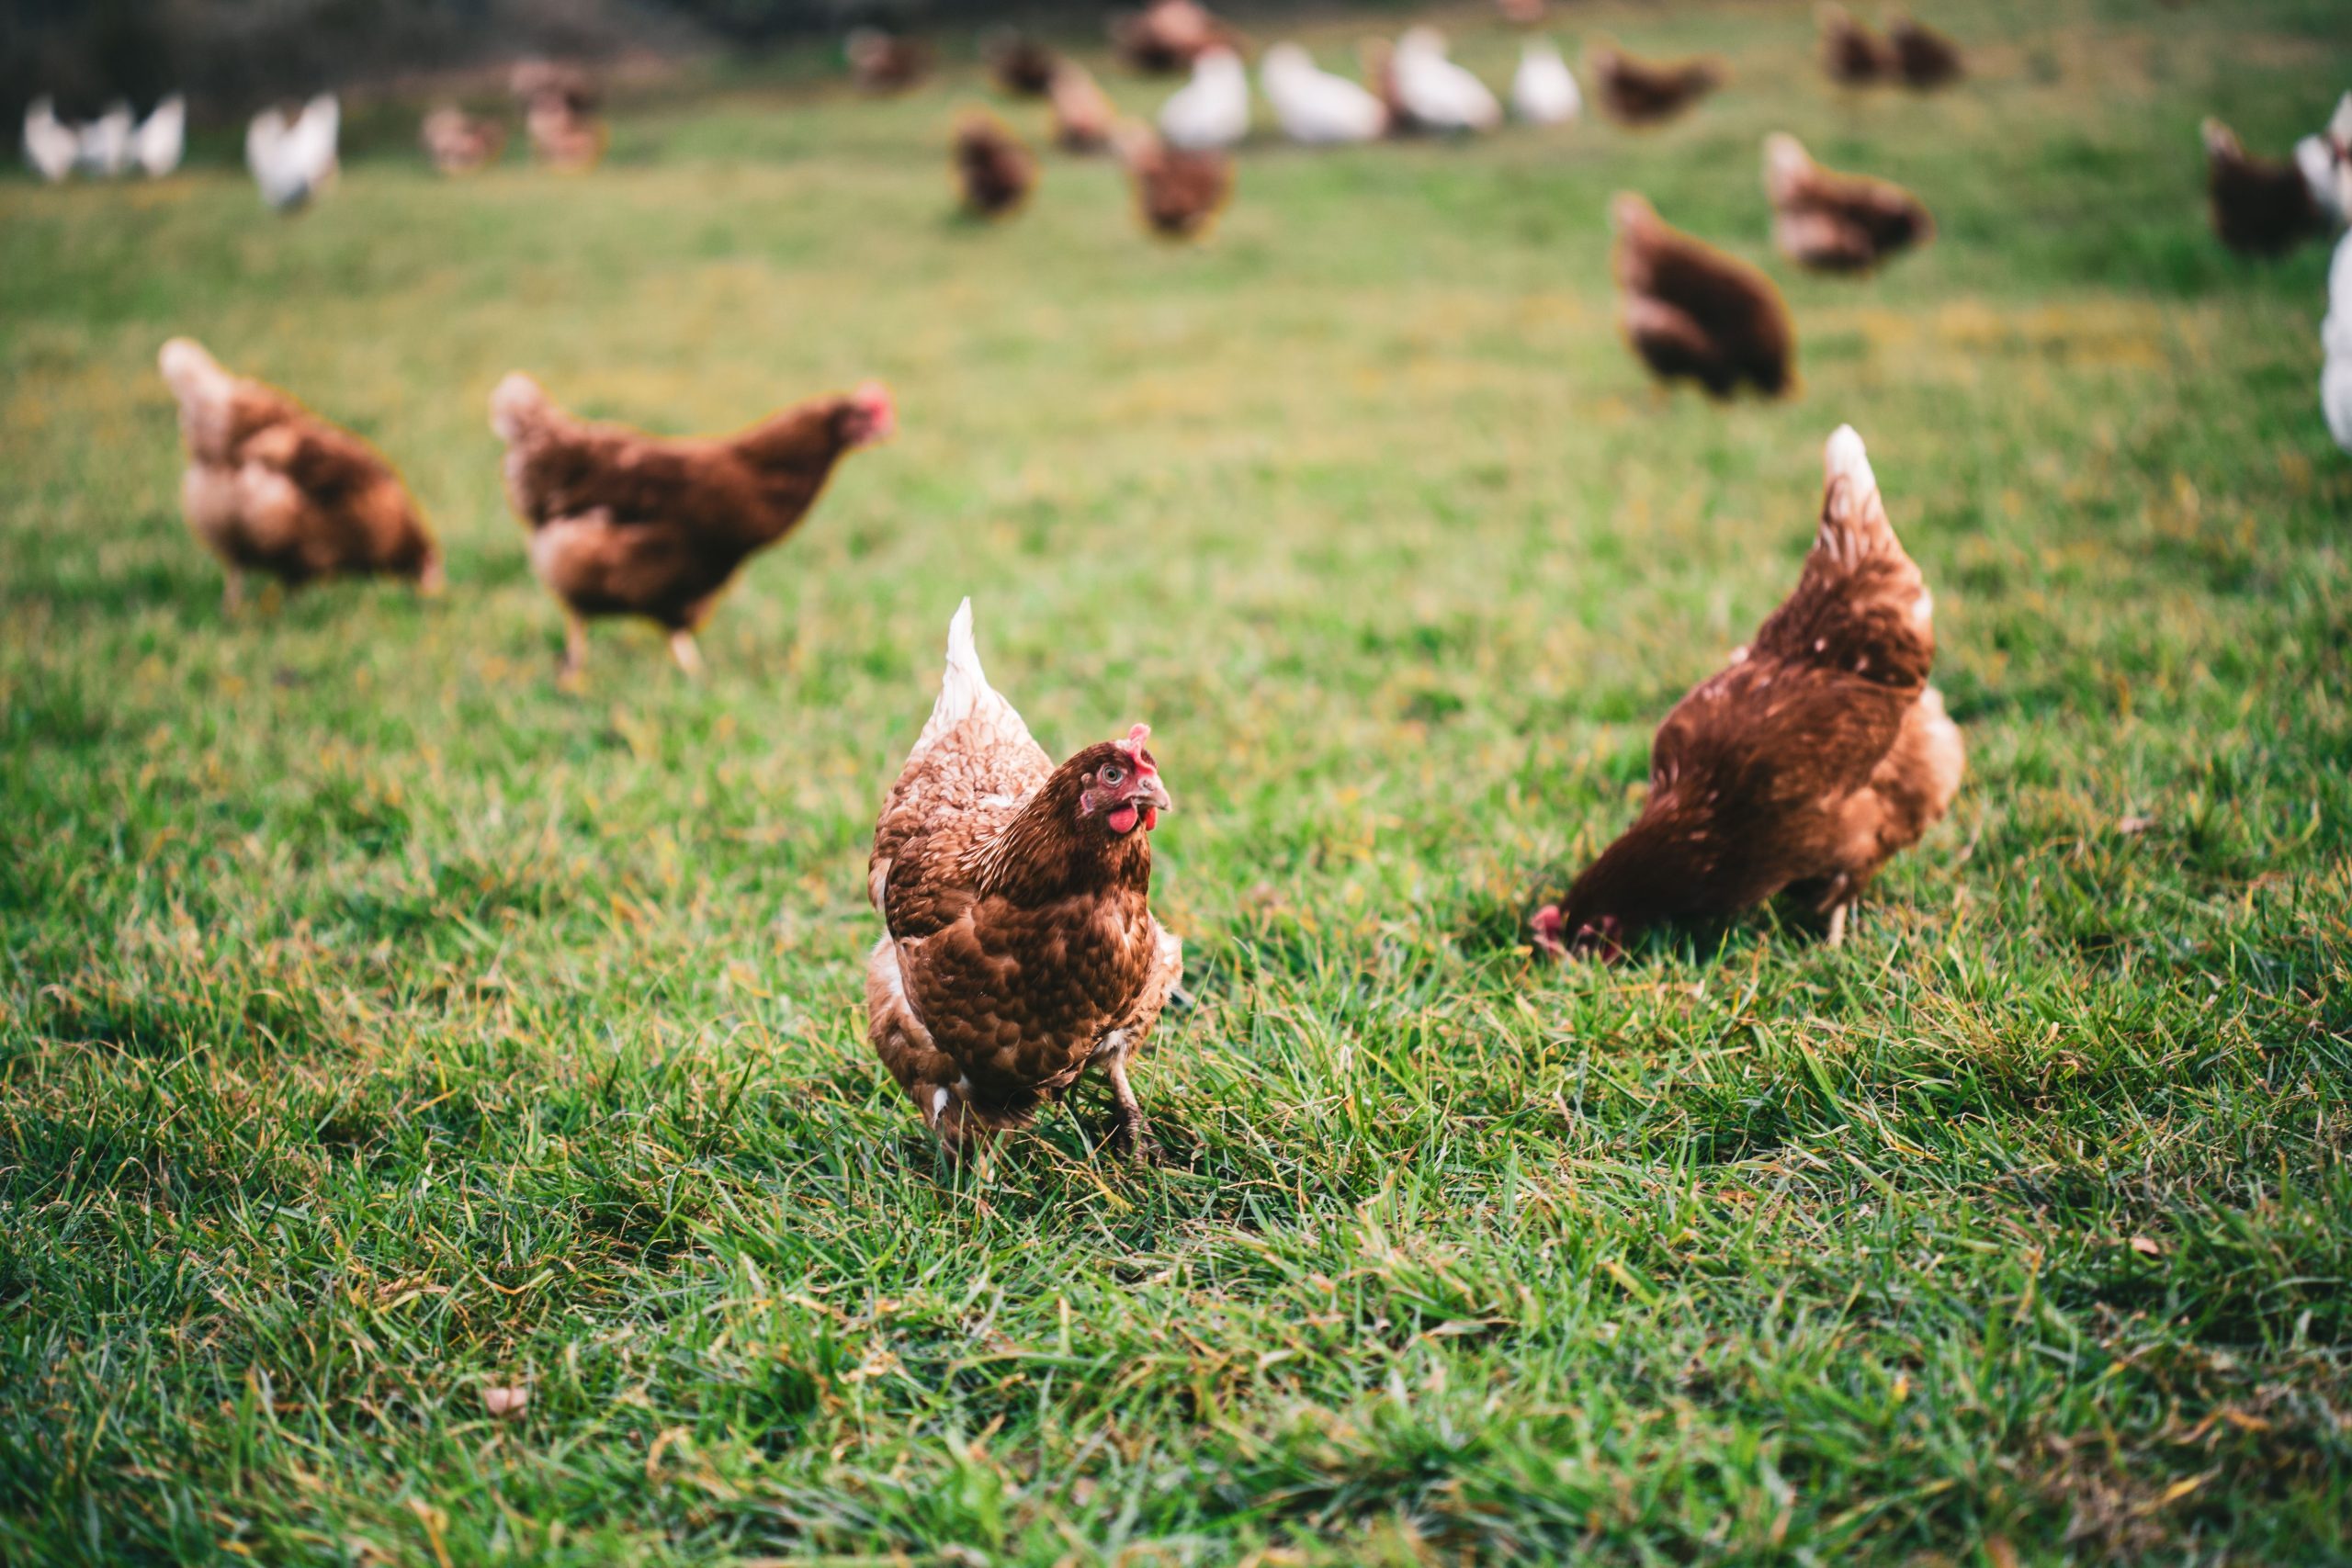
1815,756
1167,35
1023,66
559,114
1923,56
2262,207
1851,53
1521,13
270,487
460,143
624,523
1020,948
1179,193
1084,114
1834,222
1690,311
881,63
993,170
1639,92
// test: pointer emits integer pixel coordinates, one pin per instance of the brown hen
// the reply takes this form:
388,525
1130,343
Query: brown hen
1023,66
1019,947
1639,92
270,487
882,62
1690,311
2263,207
1818,754
1179,191
1834,222
993,170
624,523
1166,36
1923,56
1851,53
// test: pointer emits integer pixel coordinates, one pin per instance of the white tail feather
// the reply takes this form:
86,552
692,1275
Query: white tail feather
965,691
1845,456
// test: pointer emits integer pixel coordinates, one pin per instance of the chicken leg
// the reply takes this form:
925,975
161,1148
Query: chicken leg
575,646
1130,1137
689,657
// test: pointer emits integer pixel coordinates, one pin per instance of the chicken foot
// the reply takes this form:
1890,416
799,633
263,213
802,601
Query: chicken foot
1130,1136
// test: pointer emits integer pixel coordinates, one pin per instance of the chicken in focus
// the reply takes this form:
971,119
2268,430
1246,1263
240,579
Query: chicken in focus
1179,194
1814,756
1923,57
1834,222
2263,207
1641,92
994,172
1691,312
624,523
1019,947
458,142
272,488
1166,36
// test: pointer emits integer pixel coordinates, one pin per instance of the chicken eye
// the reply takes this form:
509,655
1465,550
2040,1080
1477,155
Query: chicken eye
1113,773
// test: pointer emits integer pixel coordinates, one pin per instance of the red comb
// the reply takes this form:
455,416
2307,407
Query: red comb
1133,747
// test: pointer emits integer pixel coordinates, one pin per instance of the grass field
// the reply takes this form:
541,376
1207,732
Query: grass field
381,1025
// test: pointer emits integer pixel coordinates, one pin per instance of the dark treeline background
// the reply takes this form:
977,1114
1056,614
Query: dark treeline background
230,56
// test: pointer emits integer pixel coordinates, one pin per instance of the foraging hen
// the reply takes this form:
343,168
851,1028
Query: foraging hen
1638,92
1166,36
1851,53
1178,193
1690,311
1430,93
1923,57
270,487
1834,222
1315,108
1083,116
1019,946
2262,207
1543,90
293,160
1815,755
627,523
1213,108
993,170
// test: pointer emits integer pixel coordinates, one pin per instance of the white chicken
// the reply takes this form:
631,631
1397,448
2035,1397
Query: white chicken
1315,107
51,146
106,141
2325,160
1211,110
156,146
2336,343
293,160
1436,93
1543,92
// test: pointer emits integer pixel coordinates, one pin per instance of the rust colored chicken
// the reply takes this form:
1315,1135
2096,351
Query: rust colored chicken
1083,115
1179,192
1691,312
624,523
1021,65
1836,222
559,115
1166,36
272,488
881,63
994,172
1814,756
1924,57
458,142
1640,92
1019,947
2263,207
1851,53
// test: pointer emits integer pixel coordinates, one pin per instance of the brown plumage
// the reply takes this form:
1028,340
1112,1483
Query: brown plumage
624,523
270,487
1923,56
1023,66
1640,92
1521,13
559,115
1083,115
881,63
2263,207
1179,193
1167,35
460,143
1836,222
1019,946
1815,755
1851,53
993,170
1690,310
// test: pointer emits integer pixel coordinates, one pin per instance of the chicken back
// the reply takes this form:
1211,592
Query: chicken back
1818,753
270,487
1639,92
1020,947
1836,222
1690,311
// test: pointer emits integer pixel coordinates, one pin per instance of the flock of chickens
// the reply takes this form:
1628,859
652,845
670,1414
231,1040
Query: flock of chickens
1019,947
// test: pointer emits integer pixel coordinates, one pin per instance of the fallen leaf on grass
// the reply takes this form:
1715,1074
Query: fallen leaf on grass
2147,1247
505,1402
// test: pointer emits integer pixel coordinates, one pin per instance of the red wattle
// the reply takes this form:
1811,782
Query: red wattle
1123,820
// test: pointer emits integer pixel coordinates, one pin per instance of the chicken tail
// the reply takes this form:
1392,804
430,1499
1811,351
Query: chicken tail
517,408
1854,524
193,376
964,694
1785,166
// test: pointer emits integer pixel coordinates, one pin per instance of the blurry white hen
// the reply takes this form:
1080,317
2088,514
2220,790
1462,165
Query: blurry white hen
51,146
1315,107
157,144
1213,108
2336,342
292,161
1438,94
1544,92
2325,160
106,141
